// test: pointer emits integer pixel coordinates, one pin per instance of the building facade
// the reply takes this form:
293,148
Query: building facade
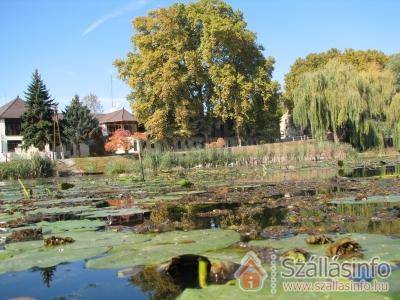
11,138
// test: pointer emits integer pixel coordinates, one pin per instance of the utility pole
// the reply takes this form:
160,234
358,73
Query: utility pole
54,136
56,123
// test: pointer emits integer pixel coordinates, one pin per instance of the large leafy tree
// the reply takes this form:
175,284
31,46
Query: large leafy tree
93,103
346,101
394,65
362,60
79,123
37,123
192,63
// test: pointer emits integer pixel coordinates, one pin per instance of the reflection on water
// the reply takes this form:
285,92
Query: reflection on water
68,281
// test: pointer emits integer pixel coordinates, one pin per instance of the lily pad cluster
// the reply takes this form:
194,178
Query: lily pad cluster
119,249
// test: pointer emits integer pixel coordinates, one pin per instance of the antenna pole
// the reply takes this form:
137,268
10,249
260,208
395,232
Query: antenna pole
112,95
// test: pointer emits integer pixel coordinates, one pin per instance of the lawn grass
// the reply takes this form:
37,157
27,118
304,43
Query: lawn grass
114,164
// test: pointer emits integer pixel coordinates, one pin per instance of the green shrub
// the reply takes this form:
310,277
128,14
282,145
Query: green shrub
185,183
35,167
121,167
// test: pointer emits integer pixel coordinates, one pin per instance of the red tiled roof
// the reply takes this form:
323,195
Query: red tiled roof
13,109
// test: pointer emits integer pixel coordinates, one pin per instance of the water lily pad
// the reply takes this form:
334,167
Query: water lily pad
61,210
25,255
372,244
163,246
72,225
112,212
185,193
8,217
371,199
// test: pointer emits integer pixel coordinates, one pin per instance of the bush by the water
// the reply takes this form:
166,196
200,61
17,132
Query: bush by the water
35,167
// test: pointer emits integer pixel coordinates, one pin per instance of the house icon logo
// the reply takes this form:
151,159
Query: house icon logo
251,274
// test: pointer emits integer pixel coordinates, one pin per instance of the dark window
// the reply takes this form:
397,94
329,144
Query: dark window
195,144
11,145
187,143
129,127
152,146
13,126
179,145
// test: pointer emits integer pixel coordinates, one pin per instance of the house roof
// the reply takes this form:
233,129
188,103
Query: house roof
13,109
121,115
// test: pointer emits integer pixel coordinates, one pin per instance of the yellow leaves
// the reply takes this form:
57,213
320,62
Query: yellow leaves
194,60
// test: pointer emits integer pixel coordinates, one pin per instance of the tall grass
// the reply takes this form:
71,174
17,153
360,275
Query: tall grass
35,167
120,167
249,155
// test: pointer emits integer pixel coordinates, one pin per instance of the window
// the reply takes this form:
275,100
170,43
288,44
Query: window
128,127
135,144
179,145
11,145
13,126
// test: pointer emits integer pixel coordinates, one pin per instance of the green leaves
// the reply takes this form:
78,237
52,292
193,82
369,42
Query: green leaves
196,62
37,124
159,248
122,249
349,103
80,125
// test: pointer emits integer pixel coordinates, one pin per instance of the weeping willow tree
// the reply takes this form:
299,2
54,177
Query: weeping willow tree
349,103
393,120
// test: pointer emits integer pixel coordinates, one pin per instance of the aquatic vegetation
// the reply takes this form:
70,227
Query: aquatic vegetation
35,167
296,254
241,199
372,245
70,225
66,186
222,271
319,240
23,235
57,241
28,193
345,248
370,199
164,246
25,255
185,183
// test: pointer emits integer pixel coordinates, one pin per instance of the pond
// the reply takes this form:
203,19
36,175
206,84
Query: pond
106,237
68,281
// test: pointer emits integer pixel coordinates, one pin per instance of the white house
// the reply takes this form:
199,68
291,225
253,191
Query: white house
11,137
10,127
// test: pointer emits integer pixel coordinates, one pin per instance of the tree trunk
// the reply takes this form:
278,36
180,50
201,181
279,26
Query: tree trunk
336,137
78,149
239,139
141,163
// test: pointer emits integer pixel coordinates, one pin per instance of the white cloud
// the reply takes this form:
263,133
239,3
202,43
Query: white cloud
131,6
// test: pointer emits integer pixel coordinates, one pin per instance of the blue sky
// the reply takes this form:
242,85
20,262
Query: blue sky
74,42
